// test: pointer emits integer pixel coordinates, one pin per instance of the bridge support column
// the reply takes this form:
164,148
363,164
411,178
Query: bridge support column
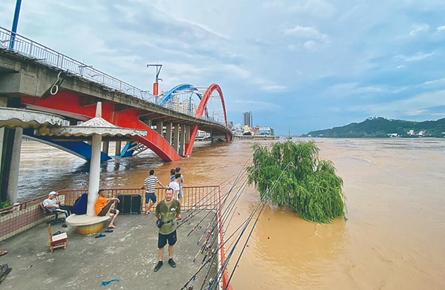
118,149
10,146
160,127
168,132
182,140
105,147
187,134
13,185
176,137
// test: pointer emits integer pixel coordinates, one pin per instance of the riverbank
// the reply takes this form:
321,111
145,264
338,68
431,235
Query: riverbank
128,254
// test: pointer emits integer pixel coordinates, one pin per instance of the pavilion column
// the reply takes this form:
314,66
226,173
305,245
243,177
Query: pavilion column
176,137
93,187
168,132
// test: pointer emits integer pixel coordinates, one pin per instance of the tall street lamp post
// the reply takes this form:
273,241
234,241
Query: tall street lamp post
157,79
15,23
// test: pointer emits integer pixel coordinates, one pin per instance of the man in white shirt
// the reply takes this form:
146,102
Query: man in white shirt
175,185
52,205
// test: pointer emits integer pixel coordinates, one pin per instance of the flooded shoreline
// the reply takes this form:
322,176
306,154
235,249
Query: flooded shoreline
393,237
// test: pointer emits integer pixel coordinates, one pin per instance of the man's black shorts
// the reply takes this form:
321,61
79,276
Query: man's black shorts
162,239
106,208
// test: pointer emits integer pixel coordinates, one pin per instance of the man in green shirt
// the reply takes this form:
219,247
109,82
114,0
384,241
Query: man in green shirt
167,211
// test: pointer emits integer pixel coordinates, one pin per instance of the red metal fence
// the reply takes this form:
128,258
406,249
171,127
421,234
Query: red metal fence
24,215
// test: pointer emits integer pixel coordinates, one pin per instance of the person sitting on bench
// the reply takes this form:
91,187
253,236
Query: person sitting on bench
103,207
53,205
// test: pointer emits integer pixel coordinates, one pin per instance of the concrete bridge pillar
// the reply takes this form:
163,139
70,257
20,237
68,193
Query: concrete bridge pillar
176,137
13,185
168,132
118,148
10,146
182,140
187,134
160,127
105,147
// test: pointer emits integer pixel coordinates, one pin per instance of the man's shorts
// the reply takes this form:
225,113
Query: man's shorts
162,239
180,194
106,208
149,196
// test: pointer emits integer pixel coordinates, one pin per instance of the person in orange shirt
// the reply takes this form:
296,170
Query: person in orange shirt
103,207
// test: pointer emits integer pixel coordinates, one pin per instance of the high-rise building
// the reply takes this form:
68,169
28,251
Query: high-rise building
247,119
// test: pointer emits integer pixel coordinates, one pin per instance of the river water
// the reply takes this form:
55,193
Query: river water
393,238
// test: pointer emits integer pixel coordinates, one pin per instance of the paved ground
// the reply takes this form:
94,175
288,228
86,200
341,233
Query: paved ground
128,254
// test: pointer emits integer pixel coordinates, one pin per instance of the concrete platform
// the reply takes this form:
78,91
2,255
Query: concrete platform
128,254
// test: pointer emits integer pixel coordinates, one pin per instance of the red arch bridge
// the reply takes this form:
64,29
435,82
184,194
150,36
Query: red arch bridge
60,87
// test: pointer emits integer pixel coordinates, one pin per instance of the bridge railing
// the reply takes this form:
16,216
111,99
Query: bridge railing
46,55
29,48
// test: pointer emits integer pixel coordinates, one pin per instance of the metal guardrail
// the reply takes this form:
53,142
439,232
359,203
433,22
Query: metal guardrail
26,47
45,55
26,214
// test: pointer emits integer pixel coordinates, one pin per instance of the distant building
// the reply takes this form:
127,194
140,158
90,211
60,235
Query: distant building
247,119
264,130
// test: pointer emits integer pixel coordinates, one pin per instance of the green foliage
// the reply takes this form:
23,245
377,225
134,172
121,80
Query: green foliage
291,174
4,204
381,128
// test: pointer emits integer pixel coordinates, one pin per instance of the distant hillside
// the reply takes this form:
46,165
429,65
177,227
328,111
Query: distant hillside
379,127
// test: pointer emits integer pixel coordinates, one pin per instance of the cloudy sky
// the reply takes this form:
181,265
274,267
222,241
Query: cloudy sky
298,65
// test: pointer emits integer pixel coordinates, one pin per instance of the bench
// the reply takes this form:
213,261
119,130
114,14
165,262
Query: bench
86,224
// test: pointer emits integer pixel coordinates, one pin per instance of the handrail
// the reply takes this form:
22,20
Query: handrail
29,48
45,55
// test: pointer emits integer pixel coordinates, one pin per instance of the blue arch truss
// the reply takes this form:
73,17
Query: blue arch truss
169,95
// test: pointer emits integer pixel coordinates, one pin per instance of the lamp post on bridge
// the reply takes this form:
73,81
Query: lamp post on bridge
157,79
15,23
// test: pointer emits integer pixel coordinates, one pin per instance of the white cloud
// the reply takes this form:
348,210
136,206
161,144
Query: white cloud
314,7
416,57
438,81
310,45
205,28
410,106
349,89
274,88
419,28
273,4
441,28
256,105
306,33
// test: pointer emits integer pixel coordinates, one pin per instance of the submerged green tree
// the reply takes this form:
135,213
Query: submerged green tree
291,174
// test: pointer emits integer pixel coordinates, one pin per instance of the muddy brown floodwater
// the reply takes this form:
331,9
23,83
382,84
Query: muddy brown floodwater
393,238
